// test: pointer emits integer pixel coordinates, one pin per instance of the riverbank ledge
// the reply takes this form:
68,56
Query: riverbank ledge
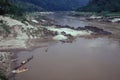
15,34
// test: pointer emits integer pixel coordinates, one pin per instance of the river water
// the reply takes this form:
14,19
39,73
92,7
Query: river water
63,18
83,59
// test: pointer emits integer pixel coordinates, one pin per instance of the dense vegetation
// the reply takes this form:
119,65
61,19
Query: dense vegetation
102,6
2,76
26,6
7,7
17,7
4,4
54,5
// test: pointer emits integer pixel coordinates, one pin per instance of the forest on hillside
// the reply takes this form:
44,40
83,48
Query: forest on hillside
56,5
102,6
15,6
7,7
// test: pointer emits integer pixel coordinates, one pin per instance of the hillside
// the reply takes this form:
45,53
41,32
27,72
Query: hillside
7,7
52,5
102,6
18,6
26,6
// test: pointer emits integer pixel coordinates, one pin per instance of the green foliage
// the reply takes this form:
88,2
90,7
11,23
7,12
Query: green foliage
19,7
3,6
7,7
26,6
2,76
102,6
53,5
5,27
13,9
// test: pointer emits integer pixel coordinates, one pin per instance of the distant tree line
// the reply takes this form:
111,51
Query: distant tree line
102,6
3,6
7,7
54,5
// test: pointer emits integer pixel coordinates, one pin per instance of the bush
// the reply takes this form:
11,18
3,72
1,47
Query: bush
5,27
7,7
2,75
102,6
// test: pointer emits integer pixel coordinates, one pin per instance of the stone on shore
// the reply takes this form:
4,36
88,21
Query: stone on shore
60,37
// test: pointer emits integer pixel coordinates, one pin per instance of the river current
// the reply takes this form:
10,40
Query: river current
83,59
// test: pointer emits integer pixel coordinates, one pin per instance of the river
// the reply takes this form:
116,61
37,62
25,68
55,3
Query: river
83,59
63,18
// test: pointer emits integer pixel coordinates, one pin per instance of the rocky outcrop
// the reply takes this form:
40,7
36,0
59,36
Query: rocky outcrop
93,29
5,62
21,33
96,30
104,19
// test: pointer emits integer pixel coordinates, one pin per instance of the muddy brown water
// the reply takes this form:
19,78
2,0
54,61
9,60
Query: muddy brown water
84,59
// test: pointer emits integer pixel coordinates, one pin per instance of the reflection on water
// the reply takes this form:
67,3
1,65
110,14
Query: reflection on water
84,59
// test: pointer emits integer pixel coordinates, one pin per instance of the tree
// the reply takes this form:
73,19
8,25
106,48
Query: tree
102,5
7,7
2,76
4,6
